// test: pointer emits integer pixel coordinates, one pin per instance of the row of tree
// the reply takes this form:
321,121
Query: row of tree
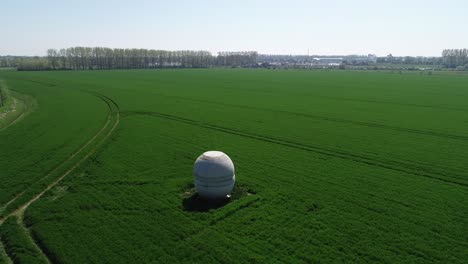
99,58
86,58
80,58
453,58
32,64
7,62
239,59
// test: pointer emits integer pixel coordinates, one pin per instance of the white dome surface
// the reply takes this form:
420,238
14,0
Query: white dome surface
214,175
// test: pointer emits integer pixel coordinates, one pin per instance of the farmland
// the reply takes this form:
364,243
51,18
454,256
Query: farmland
340,166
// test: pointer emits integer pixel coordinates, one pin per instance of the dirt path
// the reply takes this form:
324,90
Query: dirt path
19,212
109,119
12,109
9,202
20,222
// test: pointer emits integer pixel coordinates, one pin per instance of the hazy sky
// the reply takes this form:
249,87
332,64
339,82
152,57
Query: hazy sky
409,27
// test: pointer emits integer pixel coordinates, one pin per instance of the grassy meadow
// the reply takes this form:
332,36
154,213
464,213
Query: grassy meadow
341,166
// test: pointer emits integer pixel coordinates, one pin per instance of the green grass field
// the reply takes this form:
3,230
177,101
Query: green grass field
342,167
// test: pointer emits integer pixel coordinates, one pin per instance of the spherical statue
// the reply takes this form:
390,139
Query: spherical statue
214,175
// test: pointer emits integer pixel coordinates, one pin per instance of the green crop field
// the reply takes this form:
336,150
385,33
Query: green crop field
331,167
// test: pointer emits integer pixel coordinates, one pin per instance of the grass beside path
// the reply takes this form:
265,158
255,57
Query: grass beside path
18,244
14,106
3,256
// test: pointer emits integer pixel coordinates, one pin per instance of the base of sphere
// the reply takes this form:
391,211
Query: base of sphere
198,203
214,190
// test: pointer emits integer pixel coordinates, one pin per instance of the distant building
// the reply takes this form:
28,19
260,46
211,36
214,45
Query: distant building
327,61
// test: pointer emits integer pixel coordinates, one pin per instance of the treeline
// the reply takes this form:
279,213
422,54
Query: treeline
455,58
276,58
32,64
8,61
240,58
99,58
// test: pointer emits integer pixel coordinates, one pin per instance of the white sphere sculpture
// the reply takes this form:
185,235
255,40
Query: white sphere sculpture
214,175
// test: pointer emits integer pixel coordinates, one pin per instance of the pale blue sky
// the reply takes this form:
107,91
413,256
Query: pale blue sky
29,27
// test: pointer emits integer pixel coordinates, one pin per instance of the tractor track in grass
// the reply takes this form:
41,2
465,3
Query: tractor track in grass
332,119
11,201
395,165
326,118
112,121
83,146
288,92
57,167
